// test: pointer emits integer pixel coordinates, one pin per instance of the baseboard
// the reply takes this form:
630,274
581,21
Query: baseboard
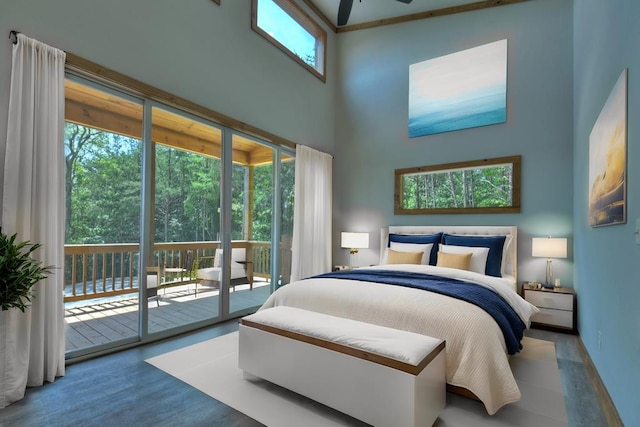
608,408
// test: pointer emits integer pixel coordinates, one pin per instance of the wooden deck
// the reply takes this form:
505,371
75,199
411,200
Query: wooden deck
104,322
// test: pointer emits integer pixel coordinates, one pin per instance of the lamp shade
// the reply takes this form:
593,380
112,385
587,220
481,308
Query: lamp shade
354,240
548,247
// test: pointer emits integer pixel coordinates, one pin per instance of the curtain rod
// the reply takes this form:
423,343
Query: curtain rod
13,36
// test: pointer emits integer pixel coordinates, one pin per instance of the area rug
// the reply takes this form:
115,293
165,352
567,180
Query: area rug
212,367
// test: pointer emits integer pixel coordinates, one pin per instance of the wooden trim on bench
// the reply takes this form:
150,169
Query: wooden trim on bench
354,352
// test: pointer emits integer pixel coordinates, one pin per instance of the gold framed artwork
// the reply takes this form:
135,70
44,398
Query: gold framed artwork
608,160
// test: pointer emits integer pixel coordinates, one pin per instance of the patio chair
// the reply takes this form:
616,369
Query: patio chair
208,269
153,274
180,275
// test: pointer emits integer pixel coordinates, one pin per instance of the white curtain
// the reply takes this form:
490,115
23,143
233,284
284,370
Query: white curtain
311,245
33,342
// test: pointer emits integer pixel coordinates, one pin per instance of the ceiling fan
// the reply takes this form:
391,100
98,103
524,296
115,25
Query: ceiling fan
344,10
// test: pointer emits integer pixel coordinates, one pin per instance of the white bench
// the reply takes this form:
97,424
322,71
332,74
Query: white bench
379,375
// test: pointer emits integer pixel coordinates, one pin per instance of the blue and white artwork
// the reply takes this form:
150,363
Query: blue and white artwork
458,91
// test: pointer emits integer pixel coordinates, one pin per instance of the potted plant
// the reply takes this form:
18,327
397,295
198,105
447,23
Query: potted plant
19,272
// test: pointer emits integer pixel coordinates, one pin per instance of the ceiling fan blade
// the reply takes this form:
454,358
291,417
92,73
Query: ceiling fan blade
405,1
344,10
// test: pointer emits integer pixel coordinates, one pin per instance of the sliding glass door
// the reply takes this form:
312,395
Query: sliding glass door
103,146
185,224
286,180
252,224
173,222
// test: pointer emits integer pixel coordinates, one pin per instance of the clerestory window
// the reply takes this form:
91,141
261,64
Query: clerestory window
289,28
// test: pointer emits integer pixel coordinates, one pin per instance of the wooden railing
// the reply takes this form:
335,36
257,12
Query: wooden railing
261,252
262,261
103,270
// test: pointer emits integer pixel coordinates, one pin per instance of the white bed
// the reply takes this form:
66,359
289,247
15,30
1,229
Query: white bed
477,359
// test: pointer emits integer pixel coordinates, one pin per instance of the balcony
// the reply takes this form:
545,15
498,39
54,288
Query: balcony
101,289
133,166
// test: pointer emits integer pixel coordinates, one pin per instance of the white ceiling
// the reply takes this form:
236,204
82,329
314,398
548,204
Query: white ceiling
373,10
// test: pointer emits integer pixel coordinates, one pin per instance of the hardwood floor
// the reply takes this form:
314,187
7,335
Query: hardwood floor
122,390
581,400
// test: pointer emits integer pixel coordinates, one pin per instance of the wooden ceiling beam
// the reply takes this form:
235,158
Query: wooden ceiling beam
261,156
485,4
108,121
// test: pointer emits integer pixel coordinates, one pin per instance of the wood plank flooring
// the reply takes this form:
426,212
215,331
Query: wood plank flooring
122,390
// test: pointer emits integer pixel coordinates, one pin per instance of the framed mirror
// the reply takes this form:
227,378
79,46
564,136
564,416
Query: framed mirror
478,186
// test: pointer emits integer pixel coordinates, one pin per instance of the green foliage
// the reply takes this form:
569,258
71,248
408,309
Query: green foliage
104,190
480,187
19,272
263,200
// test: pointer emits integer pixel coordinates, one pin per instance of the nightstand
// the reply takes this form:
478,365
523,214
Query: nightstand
557,307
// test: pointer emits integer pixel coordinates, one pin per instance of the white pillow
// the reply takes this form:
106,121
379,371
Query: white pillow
478,258
411,247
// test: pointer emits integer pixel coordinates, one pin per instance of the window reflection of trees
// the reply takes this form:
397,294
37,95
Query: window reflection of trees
491,185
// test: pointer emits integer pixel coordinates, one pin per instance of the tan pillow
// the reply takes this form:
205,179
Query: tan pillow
397,257
459,261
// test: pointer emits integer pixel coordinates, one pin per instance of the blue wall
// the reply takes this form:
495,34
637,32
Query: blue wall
372,109
607,267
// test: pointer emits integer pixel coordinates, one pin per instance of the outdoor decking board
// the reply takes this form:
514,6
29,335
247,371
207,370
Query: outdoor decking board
106,324
110,321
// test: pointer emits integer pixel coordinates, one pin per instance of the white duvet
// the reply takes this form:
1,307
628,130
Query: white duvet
477,358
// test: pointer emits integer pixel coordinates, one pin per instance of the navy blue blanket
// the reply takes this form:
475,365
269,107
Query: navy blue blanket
508,320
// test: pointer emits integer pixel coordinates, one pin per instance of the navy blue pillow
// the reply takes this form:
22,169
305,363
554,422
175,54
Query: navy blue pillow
494,243
419,238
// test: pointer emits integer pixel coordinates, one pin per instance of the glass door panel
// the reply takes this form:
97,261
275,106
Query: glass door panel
252,213
185,252
287,192
178,169
103,132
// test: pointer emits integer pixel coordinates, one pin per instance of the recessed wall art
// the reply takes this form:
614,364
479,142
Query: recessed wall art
608,160
462,90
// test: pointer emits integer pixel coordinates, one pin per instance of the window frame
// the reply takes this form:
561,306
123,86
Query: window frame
306,22
514,161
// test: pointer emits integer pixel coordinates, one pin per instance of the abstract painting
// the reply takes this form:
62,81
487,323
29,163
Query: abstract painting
608,160
461,90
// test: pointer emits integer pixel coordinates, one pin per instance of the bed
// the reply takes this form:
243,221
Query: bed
477,352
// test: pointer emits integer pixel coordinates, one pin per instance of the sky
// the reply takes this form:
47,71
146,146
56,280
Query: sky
282,27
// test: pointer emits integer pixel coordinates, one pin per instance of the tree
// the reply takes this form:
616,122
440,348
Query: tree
103,183
480,187
78,141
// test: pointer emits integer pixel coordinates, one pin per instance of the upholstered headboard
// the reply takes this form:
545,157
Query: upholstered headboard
462,230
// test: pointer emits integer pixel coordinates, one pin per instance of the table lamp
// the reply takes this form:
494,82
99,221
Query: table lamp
354,241
548,247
